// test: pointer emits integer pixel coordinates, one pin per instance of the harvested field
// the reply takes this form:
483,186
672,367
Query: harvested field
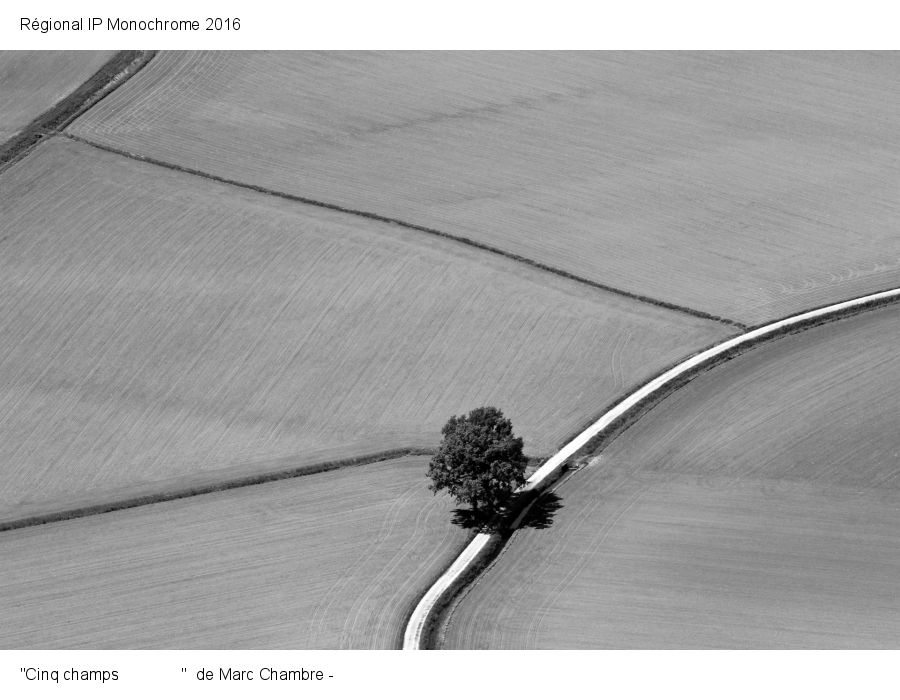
323,561
759,506
747,185
33,81
162,330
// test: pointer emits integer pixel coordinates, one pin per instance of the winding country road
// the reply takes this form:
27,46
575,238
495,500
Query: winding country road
416,633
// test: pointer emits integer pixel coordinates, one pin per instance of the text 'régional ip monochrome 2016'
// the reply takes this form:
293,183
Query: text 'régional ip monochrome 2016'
46,25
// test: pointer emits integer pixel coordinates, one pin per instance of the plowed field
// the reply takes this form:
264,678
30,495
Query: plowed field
159,329
747,185
323,561
759,506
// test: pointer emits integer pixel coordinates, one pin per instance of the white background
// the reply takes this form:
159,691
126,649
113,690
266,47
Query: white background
472,675
339,24
424,24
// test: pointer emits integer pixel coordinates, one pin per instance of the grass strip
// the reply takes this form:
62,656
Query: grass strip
606,436
413,227
504,526
190,491
111,75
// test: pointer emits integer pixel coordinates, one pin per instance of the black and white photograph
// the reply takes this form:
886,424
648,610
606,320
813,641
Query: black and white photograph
449,349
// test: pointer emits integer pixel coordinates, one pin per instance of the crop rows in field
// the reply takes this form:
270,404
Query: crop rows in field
160,329
324,561
163,332
746,185
755,507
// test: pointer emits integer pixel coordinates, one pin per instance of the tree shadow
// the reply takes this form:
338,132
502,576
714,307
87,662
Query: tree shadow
540,516
469,519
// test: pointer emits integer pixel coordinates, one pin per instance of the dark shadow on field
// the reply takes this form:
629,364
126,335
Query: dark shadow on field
540,517
469,519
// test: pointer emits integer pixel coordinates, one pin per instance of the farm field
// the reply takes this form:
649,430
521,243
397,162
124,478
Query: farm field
161,330
746,185
324,561
33,81
758,506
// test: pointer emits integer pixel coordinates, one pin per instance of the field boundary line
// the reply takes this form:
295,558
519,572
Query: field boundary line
119,68
372,216
200,490
424,619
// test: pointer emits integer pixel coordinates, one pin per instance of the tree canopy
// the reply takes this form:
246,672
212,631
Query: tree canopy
479,462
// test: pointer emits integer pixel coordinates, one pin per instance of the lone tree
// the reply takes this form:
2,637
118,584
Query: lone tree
480,461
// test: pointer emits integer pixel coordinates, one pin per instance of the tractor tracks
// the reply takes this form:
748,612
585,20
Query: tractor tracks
424,620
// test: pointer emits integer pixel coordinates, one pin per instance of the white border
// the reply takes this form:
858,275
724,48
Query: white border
766,24
475,24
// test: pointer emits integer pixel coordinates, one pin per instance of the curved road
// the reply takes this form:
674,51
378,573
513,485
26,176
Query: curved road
414,636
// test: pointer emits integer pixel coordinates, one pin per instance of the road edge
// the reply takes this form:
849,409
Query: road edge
422,622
